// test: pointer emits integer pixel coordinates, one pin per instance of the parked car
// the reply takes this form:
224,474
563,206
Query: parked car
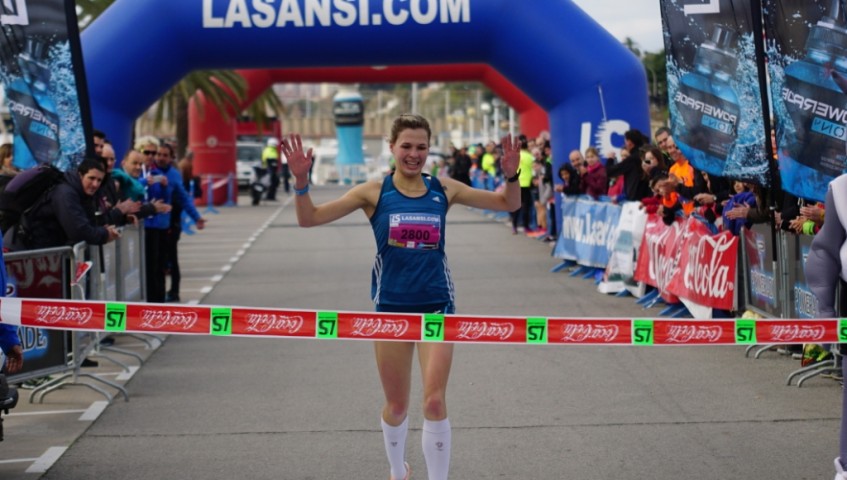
247,155
324,170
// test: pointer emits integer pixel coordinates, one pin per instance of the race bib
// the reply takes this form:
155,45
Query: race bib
414,230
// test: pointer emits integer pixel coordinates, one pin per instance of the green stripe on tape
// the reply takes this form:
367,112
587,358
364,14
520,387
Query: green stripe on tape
115,320
745,331
536,330
842,330
327,325
433,328
221,323
642,332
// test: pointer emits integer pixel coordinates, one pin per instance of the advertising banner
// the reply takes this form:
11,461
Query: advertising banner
621,268
808,70
707,273
39,274
658,258
588,231
42,72
715,86
763,295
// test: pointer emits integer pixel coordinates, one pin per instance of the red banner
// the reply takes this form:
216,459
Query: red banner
693,332
71,315
590,331
379,326
476,329
707,267
167,319
685,260
797,331
659,255
273,323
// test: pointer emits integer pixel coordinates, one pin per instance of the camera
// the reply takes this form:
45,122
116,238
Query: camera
8,399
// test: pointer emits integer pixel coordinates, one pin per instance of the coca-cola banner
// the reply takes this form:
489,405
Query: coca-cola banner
707,267
684,261
658,257
588,231
806,63
715,87
42,71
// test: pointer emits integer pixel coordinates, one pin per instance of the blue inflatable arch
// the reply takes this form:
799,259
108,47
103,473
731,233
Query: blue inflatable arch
550,49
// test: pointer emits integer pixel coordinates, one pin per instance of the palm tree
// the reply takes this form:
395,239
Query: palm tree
225,89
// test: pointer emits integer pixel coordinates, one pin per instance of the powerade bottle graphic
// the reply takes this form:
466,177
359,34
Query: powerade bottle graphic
707,125
815,104
33,110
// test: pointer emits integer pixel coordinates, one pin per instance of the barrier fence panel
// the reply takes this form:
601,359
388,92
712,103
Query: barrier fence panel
762,291
41,274
129,278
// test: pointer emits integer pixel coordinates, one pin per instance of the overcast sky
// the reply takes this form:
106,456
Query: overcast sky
637,19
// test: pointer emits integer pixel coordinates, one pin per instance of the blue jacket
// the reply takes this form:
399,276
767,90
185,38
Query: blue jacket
737,200
162,221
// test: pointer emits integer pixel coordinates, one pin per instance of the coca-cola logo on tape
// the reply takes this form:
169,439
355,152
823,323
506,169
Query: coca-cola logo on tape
168,319
482,330
64,315
376,326
273,323
694,333
589,333
796,332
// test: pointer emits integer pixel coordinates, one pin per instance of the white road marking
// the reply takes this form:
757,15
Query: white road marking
44,462
94,411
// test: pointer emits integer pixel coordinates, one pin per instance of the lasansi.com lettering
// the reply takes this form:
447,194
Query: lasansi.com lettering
328,13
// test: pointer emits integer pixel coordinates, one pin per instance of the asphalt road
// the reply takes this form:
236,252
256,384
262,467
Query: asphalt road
223,408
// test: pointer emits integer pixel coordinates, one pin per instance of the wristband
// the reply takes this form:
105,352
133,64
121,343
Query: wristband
302,192
515,178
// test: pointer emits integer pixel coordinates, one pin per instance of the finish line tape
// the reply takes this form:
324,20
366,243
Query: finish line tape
326,325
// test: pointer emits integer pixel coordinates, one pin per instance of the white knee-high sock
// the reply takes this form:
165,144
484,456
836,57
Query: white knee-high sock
395,447
436,448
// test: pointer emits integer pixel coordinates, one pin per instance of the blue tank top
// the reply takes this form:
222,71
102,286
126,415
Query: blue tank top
410,267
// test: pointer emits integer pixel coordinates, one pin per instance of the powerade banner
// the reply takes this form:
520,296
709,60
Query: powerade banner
803,303
758,248
808,70
714,86
41,69
589,231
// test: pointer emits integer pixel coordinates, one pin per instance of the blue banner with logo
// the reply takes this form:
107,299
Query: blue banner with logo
588,233
808,71
715,86
42,72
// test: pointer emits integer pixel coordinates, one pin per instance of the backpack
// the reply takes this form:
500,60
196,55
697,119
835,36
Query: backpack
25,191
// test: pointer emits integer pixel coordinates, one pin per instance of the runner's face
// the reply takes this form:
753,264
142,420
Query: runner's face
410,151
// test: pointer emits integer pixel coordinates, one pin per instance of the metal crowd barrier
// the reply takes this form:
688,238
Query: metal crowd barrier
114,271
